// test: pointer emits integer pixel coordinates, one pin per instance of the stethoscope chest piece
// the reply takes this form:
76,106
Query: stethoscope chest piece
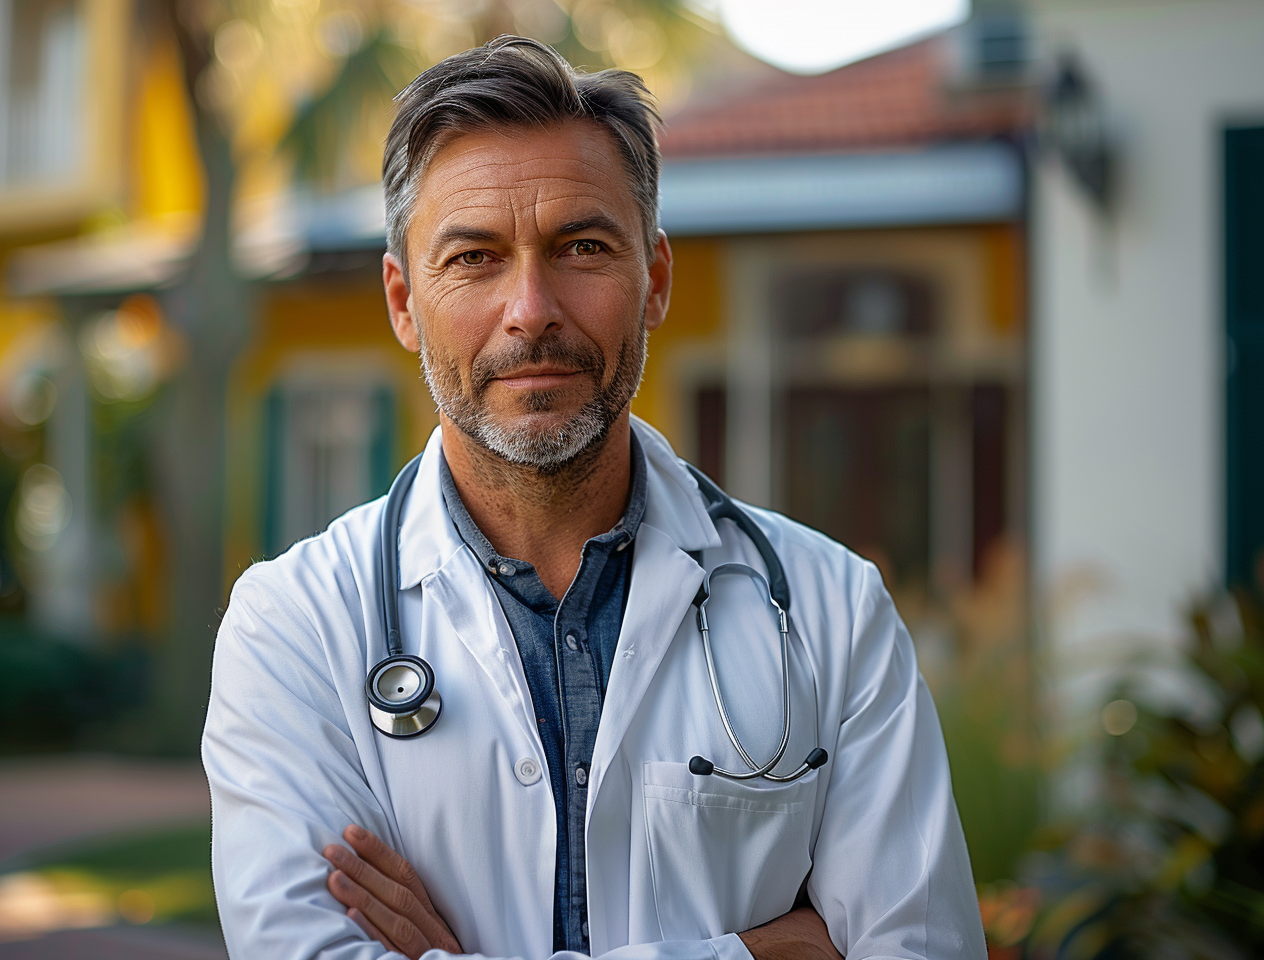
403,701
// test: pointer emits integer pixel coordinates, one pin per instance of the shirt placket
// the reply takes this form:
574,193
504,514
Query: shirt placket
581,712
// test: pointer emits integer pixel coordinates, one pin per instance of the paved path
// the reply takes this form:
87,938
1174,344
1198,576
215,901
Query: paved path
51,800
47,800
115,943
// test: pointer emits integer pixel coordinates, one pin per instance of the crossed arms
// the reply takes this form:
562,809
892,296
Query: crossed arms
890,873
386,898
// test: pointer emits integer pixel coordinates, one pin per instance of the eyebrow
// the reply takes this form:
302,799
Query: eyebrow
594,221
463,234
460,234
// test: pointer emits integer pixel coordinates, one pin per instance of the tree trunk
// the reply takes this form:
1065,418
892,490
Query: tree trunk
211,305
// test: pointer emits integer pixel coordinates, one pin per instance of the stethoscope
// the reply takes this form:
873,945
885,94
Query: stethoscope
403,701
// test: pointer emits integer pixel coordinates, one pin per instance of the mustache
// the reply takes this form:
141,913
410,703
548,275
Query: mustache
581,358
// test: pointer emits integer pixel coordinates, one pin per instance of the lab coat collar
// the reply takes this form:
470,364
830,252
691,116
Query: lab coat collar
674,506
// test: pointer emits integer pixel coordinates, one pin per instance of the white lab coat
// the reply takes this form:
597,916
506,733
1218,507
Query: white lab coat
677,864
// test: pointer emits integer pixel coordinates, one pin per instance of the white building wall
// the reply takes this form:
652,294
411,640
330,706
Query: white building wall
1127,347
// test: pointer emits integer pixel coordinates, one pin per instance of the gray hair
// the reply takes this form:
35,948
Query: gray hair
514,81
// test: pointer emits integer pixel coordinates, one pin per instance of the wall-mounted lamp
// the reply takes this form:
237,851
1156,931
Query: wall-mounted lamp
1076,127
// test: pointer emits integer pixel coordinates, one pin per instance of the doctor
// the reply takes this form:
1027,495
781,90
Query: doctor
551,549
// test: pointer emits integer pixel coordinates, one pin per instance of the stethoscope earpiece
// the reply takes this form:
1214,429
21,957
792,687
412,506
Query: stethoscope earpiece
403,701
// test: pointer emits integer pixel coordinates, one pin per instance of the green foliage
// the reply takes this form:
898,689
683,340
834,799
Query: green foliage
665,41
150,876
995,779
992,749
368,77
1170,863
52,690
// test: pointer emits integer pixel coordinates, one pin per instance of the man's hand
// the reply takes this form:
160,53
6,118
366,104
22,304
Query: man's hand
384,895
798,935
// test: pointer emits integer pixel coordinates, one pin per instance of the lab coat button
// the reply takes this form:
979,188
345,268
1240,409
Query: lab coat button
527,771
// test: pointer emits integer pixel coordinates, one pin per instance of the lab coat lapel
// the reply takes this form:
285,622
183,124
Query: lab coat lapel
433,556
665,580
461,590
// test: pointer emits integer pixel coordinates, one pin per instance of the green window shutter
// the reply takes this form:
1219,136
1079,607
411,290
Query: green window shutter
1244,316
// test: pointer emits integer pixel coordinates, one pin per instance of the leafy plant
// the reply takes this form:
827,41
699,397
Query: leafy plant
1170,861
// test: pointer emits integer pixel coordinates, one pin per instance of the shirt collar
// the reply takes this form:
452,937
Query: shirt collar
622,532
428,537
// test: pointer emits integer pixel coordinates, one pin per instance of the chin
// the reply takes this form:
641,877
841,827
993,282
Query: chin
548,442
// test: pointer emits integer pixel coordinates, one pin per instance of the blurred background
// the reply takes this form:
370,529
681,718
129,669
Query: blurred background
977,289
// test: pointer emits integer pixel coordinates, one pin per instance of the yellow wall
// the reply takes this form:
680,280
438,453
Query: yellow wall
694,325
166,171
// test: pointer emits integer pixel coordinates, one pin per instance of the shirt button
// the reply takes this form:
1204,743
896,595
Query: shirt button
527,771
583,929
581,775
505,570
571,642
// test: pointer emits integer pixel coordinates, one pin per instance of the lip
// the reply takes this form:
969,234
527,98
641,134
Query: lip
538,378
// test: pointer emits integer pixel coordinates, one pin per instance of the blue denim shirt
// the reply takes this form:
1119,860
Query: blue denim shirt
567,649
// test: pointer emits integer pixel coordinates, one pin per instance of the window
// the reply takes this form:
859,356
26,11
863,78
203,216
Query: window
872,391
42,57
857,468
328,449
881,303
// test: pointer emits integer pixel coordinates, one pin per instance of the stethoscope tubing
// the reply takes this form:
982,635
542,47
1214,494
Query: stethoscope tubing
414,715
757,770
721,506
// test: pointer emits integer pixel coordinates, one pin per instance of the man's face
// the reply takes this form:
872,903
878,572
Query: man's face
531,289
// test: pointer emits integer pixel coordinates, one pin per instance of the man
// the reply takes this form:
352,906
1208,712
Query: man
551,552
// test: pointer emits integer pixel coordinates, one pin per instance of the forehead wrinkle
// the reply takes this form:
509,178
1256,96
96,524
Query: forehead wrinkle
488,179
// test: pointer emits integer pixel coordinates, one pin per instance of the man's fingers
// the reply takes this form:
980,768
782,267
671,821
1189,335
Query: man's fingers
371,848
396,927
365,924
393,894
397,869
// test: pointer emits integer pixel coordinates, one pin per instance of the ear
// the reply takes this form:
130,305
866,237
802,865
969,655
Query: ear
660,283
399,303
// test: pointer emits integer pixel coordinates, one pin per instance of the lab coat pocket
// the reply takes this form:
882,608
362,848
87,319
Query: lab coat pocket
724,856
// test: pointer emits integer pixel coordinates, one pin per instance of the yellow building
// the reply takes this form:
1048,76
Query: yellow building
846,340
845,343
100,199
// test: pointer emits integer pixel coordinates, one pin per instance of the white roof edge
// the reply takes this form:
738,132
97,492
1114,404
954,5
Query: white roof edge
953,183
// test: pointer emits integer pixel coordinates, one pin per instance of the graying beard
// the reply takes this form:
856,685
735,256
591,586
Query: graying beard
547,452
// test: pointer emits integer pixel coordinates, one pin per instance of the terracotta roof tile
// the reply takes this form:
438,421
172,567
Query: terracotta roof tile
894,99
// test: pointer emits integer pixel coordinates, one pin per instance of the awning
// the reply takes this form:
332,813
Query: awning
956,183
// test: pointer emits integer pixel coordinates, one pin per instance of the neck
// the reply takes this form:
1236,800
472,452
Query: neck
543,518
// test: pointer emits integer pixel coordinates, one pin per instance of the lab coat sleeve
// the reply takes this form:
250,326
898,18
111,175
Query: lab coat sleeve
727,947
286,779
891,874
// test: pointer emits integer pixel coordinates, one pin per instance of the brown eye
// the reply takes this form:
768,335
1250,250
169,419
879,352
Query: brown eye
586,248
473,258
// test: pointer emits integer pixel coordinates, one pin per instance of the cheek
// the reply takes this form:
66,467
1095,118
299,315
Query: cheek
606,308
457,325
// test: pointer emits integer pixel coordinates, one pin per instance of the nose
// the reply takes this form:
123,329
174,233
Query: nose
532,309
